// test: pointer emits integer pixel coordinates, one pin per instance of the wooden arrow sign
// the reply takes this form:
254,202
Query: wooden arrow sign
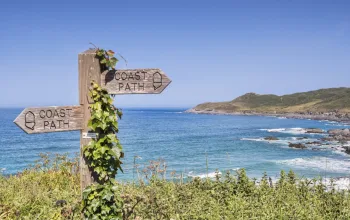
50,119
134,81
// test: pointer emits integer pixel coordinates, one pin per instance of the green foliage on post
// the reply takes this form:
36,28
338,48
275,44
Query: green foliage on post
105,151
102,200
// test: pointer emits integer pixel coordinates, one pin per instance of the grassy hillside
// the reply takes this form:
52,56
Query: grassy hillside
322,100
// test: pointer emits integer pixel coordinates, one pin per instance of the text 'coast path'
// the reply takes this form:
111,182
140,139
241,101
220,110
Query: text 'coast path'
50,119
134,81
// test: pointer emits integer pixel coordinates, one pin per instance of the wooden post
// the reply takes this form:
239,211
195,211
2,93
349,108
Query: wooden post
89,69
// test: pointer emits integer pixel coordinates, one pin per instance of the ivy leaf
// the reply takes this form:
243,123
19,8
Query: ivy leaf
100,52
104,149
91,197
108,196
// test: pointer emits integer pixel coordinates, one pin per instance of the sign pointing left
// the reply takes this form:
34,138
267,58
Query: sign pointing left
50,119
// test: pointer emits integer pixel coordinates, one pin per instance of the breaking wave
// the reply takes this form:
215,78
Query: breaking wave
319,163
206,175
286,130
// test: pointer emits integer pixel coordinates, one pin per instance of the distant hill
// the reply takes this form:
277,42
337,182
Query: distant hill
322,100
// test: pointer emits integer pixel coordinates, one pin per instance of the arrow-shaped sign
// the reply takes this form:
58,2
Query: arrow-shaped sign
134,81
50,119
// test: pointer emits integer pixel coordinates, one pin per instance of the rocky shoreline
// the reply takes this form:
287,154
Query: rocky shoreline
335,139
340,138
329,116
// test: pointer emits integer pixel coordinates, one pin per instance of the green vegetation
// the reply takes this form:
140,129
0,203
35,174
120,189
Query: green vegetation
319,100
50,190
101,199
103,153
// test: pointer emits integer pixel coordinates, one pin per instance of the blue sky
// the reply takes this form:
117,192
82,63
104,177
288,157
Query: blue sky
212,50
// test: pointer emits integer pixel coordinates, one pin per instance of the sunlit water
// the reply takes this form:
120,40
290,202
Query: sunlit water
184,141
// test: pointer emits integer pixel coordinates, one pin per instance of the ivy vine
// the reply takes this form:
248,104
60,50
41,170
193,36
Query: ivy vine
105,151
102,200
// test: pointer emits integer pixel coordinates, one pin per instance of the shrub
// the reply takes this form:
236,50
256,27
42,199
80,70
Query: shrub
51,190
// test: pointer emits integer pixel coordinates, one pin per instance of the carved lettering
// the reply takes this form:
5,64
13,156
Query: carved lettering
117,76
50,119
134,81
55,114
59,123
42,114
46,123
47,115
137,76
69,110
62,113
66,123
124,75
52,125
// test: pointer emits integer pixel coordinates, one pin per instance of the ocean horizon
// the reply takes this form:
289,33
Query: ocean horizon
186,141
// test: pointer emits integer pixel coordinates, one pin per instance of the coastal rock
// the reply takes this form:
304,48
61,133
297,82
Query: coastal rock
341,135
271,138
343,132
298,145
347,150
314,131
327,139
314,142
342,142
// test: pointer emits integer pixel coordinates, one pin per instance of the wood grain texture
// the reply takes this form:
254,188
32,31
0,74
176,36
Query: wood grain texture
50,119
134,81
89,69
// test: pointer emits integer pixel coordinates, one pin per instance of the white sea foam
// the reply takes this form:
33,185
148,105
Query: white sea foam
342,183
206,175
339,150
319,163
263,140
284,141
286,130
295,131
253,139
289,130
338,124
332,122
324,121
173,112
282,118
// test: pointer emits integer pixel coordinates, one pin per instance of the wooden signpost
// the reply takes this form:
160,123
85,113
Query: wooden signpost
68,118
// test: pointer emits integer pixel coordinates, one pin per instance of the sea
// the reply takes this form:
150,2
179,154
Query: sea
193,145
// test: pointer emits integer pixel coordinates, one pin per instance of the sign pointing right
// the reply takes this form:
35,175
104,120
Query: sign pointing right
134,81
